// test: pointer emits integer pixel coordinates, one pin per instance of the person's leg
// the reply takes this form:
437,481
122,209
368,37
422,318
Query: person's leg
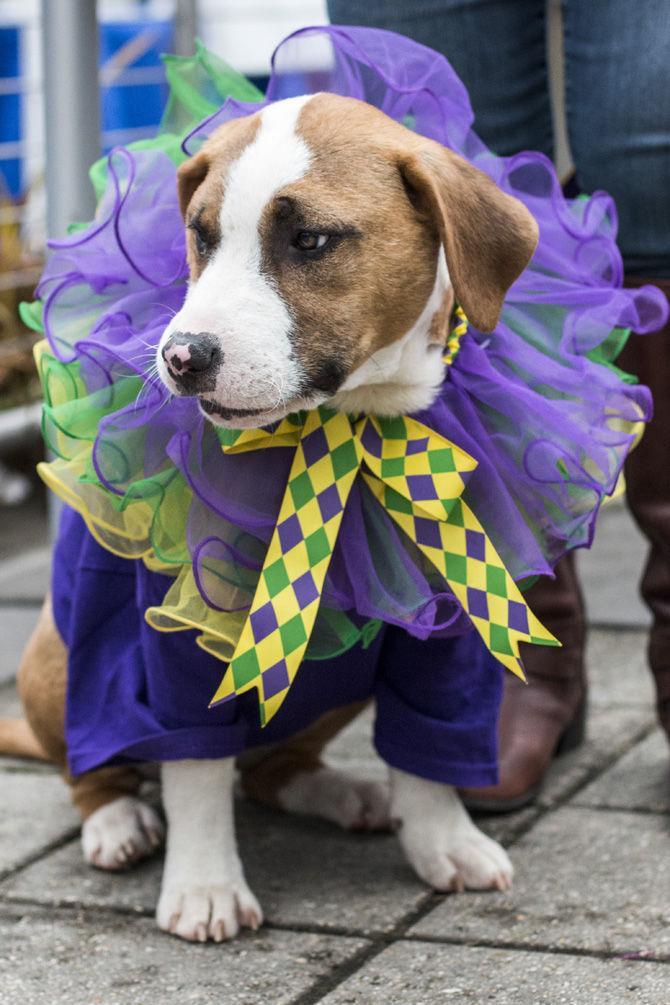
498,49
617,75
618,81
648,496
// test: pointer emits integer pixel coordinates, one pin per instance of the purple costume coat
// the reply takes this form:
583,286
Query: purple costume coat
135,694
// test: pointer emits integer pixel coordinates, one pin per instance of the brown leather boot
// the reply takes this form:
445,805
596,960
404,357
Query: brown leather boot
545,717
648,493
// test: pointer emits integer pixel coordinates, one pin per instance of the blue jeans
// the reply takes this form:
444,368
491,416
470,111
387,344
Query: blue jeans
617,71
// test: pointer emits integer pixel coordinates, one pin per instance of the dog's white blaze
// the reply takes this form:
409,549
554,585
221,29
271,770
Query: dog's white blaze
232,299
277,157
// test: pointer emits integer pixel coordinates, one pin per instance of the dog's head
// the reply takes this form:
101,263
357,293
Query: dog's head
315,231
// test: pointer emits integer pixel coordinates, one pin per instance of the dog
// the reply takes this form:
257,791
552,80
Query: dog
326,247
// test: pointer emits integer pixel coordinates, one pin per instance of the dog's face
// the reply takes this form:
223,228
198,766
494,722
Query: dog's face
314,229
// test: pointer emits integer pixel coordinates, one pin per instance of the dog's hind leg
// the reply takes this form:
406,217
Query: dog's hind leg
119,829
292,776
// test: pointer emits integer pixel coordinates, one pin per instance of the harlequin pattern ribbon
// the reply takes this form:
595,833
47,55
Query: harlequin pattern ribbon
418,477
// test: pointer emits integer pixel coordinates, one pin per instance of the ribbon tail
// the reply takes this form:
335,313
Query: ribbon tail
463,553
494,602
281,618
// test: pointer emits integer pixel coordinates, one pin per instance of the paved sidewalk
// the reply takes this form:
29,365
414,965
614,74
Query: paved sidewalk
588,920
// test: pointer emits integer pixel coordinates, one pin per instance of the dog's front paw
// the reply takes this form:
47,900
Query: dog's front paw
201,912
460,859
440,840
121,833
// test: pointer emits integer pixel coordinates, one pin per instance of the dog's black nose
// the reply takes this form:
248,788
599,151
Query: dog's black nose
186,353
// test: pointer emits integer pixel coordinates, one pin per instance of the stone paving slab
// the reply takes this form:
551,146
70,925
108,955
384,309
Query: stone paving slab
36,813
10,707
304,873
10,703
418,973
617,669
26,526
586,880
609,733
16,626
73,958
618,545
639,781
25,577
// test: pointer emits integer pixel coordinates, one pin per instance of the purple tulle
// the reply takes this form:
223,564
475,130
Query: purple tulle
546,423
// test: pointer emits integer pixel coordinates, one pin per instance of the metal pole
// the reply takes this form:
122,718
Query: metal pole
72,121
185,27
71,108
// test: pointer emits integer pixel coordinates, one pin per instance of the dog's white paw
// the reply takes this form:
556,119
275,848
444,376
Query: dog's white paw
352,803
198,912
440,840
204,894
462,859
121,833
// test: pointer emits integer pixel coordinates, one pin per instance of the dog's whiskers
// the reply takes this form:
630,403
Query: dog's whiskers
171,311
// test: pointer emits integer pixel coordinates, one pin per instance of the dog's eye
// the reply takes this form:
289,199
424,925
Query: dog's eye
308,240
201,238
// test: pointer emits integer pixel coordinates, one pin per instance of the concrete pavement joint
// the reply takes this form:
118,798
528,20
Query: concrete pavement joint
36,768
640,811
103,909
21,603
378,943
339,974
431,900
37,856
534,947
619,627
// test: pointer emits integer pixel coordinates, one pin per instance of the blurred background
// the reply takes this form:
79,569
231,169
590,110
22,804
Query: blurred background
76,78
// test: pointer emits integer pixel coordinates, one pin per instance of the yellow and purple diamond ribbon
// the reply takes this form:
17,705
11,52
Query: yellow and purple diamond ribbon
418,477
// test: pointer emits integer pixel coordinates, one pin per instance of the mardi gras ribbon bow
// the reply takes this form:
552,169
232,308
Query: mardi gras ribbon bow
418,477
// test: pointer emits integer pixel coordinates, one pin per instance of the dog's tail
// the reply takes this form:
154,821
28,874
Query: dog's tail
18,740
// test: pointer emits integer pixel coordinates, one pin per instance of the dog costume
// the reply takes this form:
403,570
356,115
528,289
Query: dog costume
328,558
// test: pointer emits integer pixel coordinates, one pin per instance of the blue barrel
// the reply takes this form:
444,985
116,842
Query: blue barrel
134,106
10,110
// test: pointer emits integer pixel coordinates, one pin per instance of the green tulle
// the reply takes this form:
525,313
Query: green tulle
609,350
199,84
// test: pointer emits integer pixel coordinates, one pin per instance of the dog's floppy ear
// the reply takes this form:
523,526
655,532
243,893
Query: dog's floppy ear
488,237
190,176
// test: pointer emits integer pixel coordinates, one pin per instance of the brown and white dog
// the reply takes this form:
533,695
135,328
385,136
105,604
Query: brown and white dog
326,245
